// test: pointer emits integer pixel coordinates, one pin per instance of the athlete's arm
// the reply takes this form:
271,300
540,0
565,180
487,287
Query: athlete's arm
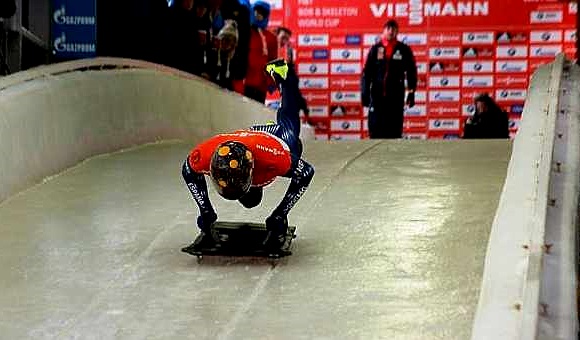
300,179
197,185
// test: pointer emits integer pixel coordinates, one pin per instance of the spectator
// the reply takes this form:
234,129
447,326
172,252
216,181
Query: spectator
285,49
262,49
239,11
488,121
383,83
221,73
181,36
215,17
212,23
203,29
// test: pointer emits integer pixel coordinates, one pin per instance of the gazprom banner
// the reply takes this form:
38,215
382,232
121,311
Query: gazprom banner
74,28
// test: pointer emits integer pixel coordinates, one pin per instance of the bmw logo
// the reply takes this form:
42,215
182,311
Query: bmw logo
313,68
438,51
345,125
338,95
444,82
512,51
471,37
477,67
503,94
546,36
345,54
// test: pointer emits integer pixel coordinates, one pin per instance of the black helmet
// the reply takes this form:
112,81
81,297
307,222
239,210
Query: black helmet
231,169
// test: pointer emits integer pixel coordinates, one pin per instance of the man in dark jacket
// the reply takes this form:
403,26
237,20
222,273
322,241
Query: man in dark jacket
239,11
383,83
181,38
488,121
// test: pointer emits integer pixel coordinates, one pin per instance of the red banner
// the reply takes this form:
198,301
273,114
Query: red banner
462,48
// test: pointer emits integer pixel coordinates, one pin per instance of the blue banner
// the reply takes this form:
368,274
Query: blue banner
74,29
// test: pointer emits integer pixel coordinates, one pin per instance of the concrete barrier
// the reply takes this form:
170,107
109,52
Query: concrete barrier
529,281
53,117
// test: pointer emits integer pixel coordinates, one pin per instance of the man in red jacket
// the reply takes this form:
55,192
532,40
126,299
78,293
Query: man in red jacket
263,48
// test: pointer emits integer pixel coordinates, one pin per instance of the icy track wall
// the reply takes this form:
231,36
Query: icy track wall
53,117
528,287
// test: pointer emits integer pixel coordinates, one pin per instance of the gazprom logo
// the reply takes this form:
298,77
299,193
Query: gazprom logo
307,39
511,67
353,39
320,54
477,67
345,125
438,51
504,94
59,16
345,54
313,68
442,96
475,82
517,108
339,95
512,52
471,108
471,37
444,82
61,45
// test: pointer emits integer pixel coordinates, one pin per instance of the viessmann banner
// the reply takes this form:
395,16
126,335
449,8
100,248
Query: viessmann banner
74,28
462,48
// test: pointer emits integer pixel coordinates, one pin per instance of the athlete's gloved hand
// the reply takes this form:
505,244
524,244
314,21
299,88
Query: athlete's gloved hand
276,223
277,226
206,220
410,99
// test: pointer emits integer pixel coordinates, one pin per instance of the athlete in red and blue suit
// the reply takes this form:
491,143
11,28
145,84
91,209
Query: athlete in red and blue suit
241,163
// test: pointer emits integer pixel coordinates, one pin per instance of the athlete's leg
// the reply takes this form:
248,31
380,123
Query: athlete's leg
288,114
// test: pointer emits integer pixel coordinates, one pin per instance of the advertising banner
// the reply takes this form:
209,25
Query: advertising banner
74,29
462,49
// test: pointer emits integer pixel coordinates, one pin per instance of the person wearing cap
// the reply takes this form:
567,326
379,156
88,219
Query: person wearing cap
388,63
